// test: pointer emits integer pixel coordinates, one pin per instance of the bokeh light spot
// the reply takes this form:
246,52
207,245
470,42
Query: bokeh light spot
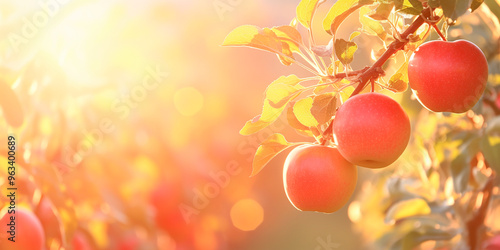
247,214
188,101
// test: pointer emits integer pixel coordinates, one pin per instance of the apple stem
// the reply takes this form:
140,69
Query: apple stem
326,134
375,70
438,31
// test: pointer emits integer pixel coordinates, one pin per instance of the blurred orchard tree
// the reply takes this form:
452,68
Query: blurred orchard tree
442,192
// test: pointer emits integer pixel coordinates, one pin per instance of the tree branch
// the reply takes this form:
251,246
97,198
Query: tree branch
376,69
477,221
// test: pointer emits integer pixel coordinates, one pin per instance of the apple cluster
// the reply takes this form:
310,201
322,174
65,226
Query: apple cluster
372,130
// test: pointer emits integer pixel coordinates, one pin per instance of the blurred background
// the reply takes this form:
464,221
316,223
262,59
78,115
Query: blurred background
131,117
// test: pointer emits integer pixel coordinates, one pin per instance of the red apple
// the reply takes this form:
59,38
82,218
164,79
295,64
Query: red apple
492,243
448,76
28,231
372,130
80,242
165,199
318,178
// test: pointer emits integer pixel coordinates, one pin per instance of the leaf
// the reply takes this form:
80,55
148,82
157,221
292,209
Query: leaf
475,4
339,12
255,37
267,150
305,11
354,34
454,8
382,11
290,35
294,123
371,26
302,110
409,7
324,107
345,50
460,168
253,125
490,144
283,89
427,233
407,208
399,81
278,94
11,106
288,59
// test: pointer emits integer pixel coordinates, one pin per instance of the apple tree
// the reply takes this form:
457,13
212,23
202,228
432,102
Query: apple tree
440,189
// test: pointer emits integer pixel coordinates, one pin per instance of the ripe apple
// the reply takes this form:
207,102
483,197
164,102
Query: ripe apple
48,219
448,76
165,200
372,130
318,178
80,241
492,243
28,230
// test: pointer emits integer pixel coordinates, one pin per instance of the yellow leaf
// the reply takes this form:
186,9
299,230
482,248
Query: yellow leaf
294,123
267,150
323,107
283,89
354,34
302,110
371,26
305,11
399,81
345,50
288,58
289,35
408,208
278,94
253,126
339,12
253,36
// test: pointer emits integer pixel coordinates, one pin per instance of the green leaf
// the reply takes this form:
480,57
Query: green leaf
339,12
382,12
324,107
454,8
267,150
255,37
302,110
399,81
490,144
407,208
371,26
345,50
305,12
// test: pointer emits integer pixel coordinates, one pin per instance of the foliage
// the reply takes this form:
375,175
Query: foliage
442,194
